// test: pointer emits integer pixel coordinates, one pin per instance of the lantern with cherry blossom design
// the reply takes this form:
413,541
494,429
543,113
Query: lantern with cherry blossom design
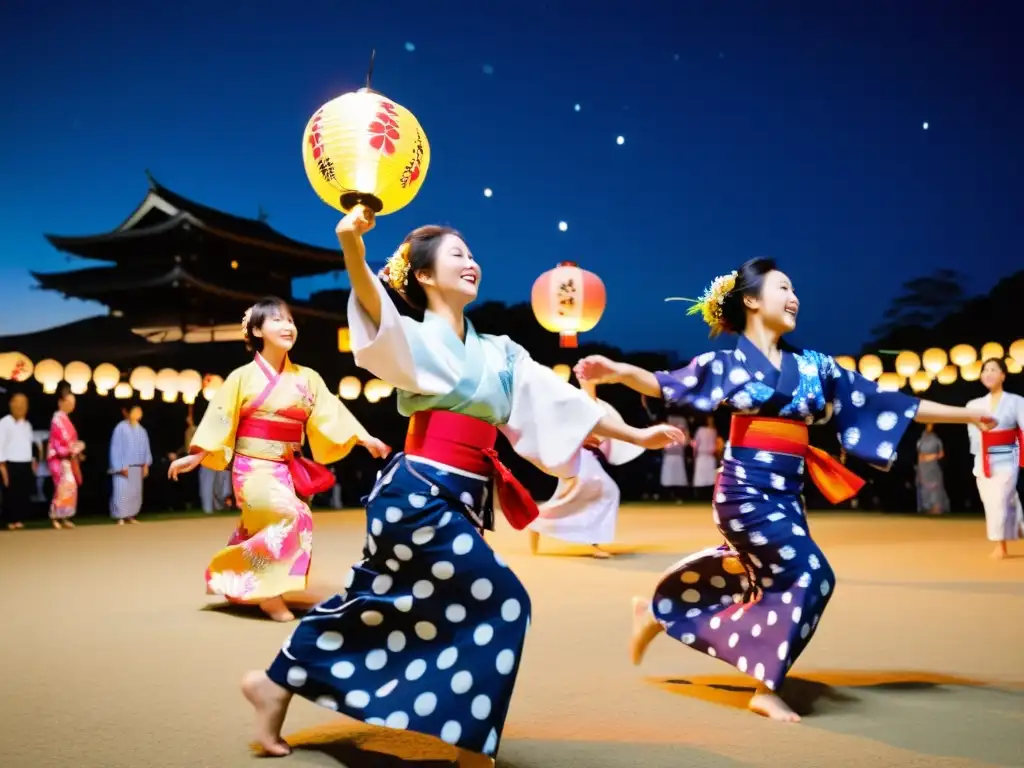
568,300
365,149
14,366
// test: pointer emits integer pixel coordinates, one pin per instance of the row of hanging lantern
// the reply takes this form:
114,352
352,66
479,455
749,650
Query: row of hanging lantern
935,365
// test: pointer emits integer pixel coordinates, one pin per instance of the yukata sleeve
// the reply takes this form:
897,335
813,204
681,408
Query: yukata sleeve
216,431
870,422
701,385
550,418
118,457
332,430
617,452
147,449
60,440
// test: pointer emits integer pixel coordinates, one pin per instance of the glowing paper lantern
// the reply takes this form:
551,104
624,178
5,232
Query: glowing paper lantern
934,360
971,372
870,367
167,380
962,354
344,340
142,379
947,375
78,374
349,388
889,382
1012,366
847,362
15,366
105,377
147,394
907,363
49,373
991,350
562,371
1017,351
568,300
211,383
189,384
123,390
363,148
920,381
169,395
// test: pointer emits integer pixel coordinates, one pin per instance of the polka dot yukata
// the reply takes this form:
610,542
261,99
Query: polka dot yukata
756,601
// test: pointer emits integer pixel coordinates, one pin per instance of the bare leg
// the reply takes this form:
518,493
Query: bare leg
999,553
534,541
767,703
599,553
645,629
277,609
271,704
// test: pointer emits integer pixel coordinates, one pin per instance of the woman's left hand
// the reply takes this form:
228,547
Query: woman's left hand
660,436
984,420
377,448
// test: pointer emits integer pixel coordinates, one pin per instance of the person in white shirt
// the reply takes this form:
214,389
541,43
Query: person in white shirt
17,462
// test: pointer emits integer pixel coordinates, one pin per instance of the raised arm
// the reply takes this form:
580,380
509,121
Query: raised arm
350,231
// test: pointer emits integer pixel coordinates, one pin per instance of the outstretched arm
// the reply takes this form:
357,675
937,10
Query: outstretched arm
601,370
350,231
930,412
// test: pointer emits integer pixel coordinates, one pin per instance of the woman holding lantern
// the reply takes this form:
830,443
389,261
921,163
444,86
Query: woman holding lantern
997,457
429,633
756,601
256,422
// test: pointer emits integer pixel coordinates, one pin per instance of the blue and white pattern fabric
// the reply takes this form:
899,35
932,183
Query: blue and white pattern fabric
129,450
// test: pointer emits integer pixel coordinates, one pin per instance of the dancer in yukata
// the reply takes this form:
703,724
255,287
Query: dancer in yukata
429,632
756,601
130,460
997,457
259,418
585,508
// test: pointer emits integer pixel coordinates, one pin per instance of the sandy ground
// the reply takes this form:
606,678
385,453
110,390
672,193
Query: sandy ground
113,657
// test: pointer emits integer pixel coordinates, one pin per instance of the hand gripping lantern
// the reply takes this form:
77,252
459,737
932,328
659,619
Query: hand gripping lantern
568,300
364,149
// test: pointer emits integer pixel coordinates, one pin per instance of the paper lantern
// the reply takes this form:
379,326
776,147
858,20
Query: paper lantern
870,367
143,379
889,382
1016,351
105,377
907,363
920,381
190,383
147,394
934,360
167,380
211,383
15,366
123,390
363,148
947,375
562,371
847,362
169,395
78,375
962,354
349,388
49,373
1012,366
971,372
344,340
568,300
991,350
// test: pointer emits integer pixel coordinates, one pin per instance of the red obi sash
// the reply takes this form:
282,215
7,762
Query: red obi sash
308,477
466,443
998,438
836,482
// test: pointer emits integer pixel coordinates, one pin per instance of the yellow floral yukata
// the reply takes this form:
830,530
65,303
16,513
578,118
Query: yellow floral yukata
269,554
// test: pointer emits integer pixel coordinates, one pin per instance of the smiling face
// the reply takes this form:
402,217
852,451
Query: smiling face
454,277
992,375
278,330
777,305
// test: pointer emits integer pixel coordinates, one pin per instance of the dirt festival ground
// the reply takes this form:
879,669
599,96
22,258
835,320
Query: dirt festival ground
113,657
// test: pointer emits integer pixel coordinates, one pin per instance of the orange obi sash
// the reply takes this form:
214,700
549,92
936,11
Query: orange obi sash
999,438
466,443
308,477
759,433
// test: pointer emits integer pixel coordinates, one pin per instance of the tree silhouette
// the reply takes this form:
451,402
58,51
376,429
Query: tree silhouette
922,303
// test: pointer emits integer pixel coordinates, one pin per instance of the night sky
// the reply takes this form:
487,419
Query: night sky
795,130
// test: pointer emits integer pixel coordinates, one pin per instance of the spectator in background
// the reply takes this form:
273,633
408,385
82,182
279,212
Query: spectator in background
17,464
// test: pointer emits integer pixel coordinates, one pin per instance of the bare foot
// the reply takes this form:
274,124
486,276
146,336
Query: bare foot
19,526
133,520
120,522
999,553
56,524
271,704
534,541
277,609
68,524
645,629
599,553
766,703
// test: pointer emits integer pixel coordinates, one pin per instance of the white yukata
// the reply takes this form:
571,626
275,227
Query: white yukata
585,508
673,459
1003,516
705,462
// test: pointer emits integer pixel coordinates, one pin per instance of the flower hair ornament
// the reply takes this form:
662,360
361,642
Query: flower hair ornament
245,323
709,305
396,271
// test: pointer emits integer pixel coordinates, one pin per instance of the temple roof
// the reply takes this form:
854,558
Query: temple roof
166,221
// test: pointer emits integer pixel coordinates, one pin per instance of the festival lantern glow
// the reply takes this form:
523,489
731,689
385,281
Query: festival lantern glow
971,372
167,380
934,360
365,149
147,394
211,383
349,388
1016,351
49,373
847,362
344,340
870,367
889,382
568,300
991,350
190,383
947,375
962,354
1012,366
562,371
78,375
105,378
143,380
169,396
907,363
14,366
920,381
123,390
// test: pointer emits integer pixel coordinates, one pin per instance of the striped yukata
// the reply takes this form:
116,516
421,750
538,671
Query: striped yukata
129,449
